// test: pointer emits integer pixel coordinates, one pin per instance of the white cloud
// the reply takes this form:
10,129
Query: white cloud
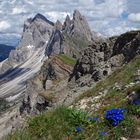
18,10
118,30
110,8
133,6
4,25
134,17
29,2
103,15
57,15
87,2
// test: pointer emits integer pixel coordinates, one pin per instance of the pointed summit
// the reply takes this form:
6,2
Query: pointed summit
58,25
78,26
40,16
68,20
81,26
27,24
67,23
77,14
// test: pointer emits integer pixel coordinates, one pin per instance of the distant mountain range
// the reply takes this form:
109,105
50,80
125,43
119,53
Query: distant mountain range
4,51
10,39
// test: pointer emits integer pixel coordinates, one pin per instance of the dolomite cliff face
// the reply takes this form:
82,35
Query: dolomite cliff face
74,36
36,34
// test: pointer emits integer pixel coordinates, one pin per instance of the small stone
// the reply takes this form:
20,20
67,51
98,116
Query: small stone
123,138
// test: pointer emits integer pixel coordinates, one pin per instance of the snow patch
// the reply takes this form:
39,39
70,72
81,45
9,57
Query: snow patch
30,46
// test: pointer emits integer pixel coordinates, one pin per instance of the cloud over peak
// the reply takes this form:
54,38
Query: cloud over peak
134,17
18,10
108,17
4,25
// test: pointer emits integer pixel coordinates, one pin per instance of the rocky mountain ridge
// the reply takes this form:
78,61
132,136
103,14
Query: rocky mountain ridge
47,73
97,62
39,36
35,35
70,37
54,37
101,60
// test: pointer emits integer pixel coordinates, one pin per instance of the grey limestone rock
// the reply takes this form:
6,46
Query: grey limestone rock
36,34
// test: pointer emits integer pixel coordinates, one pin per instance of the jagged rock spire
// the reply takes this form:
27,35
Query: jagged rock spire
76,14
77,26
67,21
58,25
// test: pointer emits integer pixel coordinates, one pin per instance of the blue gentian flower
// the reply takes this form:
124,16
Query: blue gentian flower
78,129
103,133
89,119
96,119
136,102
114,116
115,123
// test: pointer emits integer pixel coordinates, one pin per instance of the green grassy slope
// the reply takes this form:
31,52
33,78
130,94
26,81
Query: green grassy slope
67,60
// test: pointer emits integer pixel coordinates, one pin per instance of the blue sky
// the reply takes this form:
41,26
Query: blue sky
108,17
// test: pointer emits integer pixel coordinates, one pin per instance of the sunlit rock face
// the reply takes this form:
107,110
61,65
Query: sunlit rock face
36,34
71,37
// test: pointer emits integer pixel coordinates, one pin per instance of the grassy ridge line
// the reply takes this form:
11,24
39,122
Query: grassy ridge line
67,60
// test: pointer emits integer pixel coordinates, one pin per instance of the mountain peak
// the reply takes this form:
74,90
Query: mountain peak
58,25
68,18
77,26
67,21
40,16
76,14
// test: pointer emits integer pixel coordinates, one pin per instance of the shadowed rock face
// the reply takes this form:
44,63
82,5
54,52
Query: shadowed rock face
54,45
71,37
128,44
